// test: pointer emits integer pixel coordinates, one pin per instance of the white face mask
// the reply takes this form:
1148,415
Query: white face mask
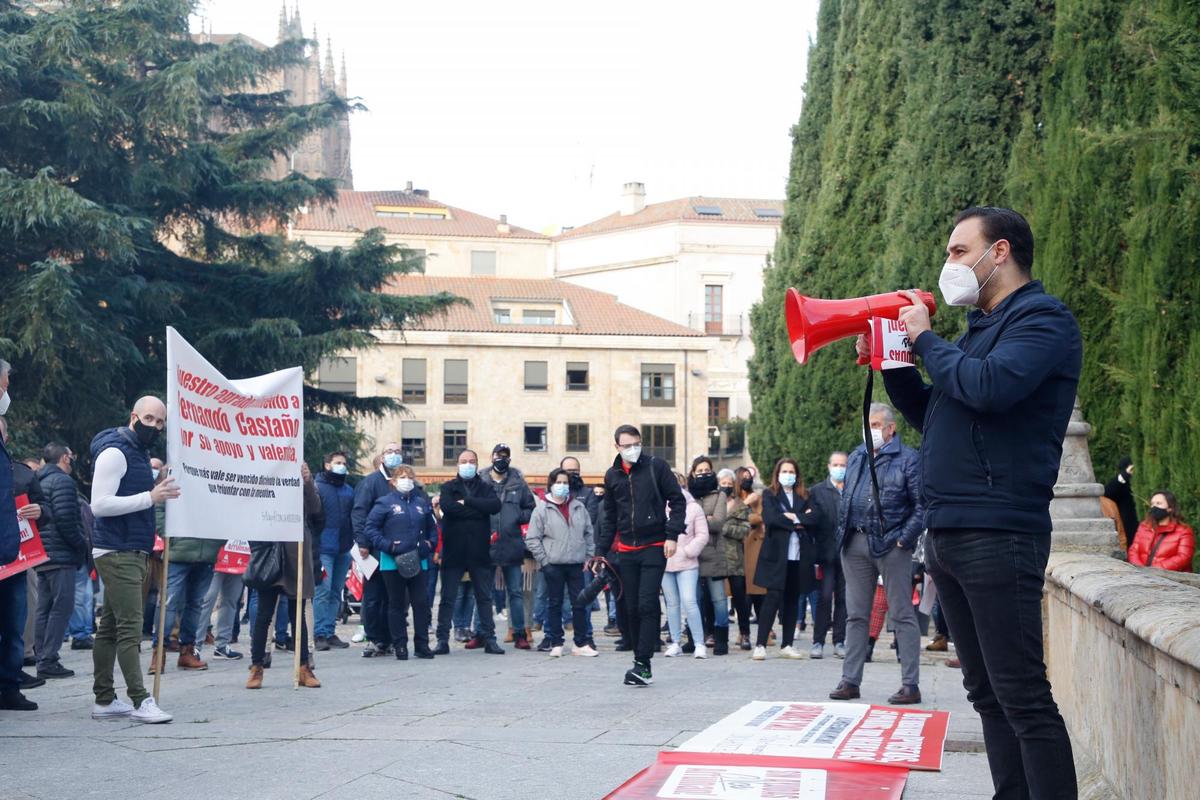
631,454
5,402
404,485
958,283
876,438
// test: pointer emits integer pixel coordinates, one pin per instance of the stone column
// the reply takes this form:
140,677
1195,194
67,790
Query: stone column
1078,524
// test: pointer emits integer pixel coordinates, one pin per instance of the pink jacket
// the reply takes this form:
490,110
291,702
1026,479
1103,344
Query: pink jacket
692,540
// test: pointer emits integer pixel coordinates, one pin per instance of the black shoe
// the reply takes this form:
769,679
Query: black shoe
336,643
83,644
27,681
611,629
639,675
266,660
546,645
29,661
12,700
384,649
461,635
491,648
421,650
442,649
907,696
621,646
845,691
402,652
320,644
55,670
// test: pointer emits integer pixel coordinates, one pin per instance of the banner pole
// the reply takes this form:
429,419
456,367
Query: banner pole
159,653
298,620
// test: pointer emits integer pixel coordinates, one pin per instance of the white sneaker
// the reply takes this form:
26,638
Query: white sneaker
117,709
672,651
359,636
556,652
502,615
149,713
759,654
817,651
586,651
790,652
701,651
839,651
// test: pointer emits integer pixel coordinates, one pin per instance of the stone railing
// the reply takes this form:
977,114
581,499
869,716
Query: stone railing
1123,653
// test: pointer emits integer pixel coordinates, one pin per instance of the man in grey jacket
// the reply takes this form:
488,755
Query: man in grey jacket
66,548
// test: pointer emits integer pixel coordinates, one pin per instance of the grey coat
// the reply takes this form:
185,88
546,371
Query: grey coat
712,558
552,541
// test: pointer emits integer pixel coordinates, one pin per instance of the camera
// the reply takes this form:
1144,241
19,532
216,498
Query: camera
603,578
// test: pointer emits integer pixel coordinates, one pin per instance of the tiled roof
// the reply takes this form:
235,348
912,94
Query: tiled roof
593,312
355,210
733,210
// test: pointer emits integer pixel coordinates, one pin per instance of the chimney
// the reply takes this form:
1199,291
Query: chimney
633,198
408,187
503,226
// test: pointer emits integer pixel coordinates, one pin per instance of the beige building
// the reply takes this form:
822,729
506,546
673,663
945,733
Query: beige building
547,367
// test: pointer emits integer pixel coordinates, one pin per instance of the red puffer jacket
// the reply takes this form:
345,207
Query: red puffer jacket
1173,553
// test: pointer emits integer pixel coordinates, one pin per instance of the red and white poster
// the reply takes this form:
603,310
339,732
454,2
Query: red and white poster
233,557
676,777
890,345
32,552
765,733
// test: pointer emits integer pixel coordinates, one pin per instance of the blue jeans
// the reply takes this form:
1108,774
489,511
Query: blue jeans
432,573
83,619
187,586
541,601
12,630
720,603
681,589
568,577
990,586
514,588
327,600
465,615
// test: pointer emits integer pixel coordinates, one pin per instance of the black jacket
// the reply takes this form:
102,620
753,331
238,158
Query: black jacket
770,572
467,525
516,507
898,469
824,498
994,418
64,541
634,506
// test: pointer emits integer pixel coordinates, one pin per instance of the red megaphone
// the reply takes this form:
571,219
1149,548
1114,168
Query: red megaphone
813,323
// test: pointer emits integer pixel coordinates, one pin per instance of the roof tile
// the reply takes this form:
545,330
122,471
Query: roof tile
733,210
355,211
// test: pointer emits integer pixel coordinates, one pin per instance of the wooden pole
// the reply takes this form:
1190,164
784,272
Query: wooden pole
159,652
298,618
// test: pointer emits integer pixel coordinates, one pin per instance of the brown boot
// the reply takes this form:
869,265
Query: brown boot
508,637
188,659
256,676
307,679
162,663
938,645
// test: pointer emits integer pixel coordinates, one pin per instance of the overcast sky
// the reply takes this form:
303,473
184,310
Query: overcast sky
543,110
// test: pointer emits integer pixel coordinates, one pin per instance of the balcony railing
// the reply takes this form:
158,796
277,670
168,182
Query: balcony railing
727,325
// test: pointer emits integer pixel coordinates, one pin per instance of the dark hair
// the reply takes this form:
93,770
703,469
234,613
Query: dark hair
1172,508
740,474
799,488
628,429
697,461
573,458
1004,223
331,456
553,476
53,452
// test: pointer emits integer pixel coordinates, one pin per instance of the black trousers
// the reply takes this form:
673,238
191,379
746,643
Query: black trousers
641,578
990,584
267,600
741,602
707,612
375,610
787,599
401,592
483,577
831,608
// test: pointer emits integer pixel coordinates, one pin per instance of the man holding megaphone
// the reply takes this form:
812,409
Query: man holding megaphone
993,423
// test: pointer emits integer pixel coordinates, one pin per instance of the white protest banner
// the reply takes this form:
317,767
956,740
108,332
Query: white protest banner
890,345
235,449
681,776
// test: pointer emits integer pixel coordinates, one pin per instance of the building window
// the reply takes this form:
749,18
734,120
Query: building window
578,437
454,441
577,376
537,376
502,316
412,442
718,416
713,296
535,437
413,380
483,262
658,384
454,386
659,440
538,316
338,375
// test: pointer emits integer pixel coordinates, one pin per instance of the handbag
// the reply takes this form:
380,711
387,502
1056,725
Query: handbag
266,566
408,564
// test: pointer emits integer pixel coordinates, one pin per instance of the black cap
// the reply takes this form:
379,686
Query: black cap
502,448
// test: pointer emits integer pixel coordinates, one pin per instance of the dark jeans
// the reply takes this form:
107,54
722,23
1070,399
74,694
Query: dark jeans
641,576
483,577
187,586
741,602
786,603
557,577
939,619
56,603
267,599
990,587
832,606
12,630
401,592
375,610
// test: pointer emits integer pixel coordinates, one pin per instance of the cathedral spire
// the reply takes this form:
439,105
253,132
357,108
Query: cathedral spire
297,29
283,21
342,80
328,75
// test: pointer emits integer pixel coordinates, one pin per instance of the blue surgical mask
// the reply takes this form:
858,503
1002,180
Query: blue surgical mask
392,460
154,473
467,471
838,474
339,469
560,490
787,480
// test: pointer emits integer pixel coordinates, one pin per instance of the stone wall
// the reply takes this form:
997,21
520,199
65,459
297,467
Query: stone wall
1123,653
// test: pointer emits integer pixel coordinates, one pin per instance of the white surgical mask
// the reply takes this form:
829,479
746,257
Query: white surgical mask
631,454
404,485
5,402
560,490
876,438
338,469
787,480
154,473
958,283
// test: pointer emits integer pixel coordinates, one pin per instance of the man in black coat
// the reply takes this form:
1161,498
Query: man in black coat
825,497
508,550
467,504
66,547
374,607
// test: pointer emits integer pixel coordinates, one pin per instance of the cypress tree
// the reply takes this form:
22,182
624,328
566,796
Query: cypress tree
133,196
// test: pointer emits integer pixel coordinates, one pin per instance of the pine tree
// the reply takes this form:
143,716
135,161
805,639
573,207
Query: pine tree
133,196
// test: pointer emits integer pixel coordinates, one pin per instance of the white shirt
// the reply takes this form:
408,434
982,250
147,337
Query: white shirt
109,469
794,539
